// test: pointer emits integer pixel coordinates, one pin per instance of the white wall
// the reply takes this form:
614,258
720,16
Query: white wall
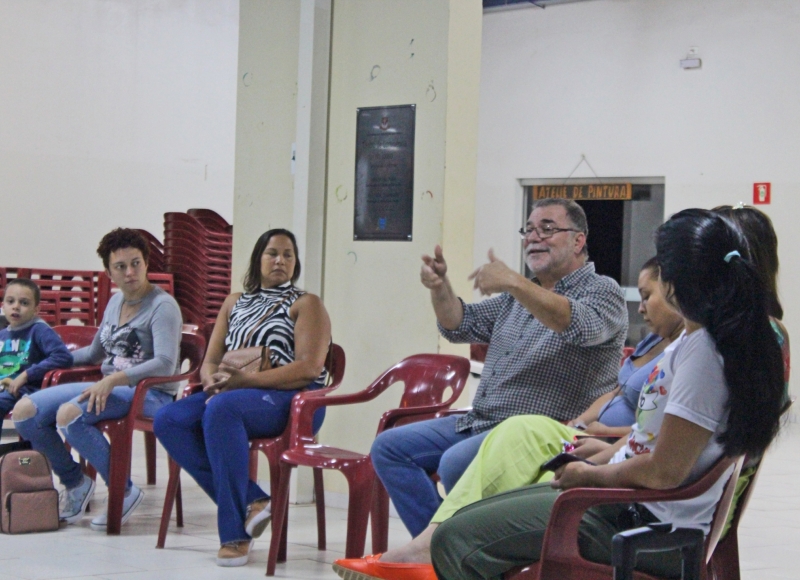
265,123
112,112
380,313
602,78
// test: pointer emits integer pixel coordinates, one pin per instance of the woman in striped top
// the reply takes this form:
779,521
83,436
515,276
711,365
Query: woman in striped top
208,433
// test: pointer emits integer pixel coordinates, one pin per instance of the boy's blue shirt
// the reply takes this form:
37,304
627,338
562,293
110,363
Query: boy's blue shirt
35,348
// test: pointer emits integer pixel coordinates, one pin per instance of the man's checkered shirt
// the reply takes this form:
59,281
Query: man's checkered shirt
531,369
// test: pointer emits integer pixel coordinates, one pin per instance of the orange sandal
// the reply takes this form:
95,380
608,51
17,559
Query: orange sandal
371,568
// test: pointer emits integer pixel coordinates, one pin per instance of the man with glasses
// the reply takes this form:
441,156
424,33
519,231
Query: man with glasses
554,347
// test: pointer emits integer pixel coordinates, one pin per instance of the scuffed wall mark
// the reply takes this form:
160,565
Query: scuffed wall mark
412,55
205,173
373,74
341,193
247,79
411,44
355,257
430,93
427,192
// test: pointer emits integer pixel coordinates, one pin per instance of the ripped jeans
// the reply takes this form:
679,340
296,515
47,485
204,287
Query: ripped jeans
209,438
41,431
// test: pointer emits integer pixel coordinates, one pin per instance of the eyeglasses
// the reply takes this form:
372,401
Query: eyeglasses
544,231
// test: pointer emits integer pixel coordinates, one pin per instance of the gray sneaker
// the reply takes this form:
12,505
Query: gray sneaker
133,497
75,501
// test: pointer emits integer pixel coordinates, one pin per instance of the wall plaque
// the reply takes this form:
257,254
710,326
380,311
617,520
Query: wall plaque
584,192
384,197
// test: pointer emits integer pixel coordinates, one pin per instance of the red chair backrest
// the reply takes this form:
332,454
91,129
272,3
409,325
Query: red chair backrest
72,293
193,351
427,377
334,364
76,337
626,352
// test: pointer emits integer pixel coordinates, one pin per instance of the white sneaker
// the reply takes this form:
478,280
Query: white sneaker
75,501
133,497
259,514
234,554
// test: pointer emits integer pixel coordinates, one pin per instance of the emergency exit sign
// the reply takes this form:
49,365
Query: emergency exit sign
761,193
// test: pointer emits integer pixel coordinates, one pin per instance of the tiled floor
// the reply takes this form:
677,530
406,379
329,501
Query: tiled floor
770,536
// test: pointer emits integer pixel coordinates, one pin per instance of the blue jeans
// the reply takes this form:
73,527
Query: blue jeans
209,438
41,430
405,457
7,400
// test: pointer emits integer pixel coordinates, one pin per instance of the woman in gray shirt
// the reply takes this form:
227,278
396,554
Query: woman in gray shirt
139,337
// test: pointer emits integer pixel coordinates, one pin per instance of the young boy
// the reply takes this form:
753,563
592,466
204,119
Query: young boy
29,348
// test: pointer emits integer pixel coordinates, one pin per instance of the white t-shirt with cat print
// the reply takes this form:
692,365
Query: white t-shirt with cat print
689,383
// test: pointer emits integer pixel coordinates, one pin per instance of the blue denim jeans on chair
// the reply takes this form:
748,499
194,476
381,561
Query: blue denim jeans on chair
209,438
404,457
41,430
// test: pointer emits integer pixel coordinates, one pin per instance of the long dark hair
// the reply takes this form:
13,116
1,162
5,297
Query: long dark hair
763,243
725,293
252,279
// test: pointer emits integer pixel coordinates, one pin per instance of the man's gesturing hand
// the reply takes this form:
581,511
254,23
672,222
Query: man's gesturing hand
433,270
493,277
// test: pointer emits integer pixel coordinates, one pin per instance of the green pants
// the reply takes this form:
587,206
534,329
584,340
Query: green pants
508,458
487,538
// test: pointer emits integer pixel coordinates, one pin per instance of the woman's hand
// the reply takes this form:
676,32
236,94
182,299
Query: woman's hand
586,447
213,382
575,474
97,394
229,379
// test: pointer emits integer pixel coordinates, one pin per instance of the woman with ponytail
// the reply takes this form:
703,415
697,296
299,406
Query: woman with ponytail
762,243
717,392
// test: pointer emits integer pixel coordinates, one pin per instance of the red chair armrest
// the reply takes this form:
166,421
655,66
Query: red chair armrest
306,403
73,375
191,389
561,537
390,418
137,405
449,412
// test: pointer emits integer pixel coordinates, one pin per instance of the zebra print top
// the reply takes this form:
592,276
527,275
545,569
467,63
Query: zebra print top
276,331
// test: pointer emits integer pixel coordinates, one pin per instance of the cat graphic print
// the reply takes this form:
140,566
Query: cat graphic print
122,345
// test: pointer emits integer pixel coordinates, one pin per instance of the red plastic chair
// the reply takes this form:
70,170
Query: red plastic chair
724,564
145,424
272,449
73,292
74,337
560,558
626,352
418,407
120,431
425,377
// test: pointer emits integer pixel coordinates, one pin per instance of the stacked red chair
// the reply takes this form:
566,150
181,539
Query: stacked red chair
157,262
197,250
67,296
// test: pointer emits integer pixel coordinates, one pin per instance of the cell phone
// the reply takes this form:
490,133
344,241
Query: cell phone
562,459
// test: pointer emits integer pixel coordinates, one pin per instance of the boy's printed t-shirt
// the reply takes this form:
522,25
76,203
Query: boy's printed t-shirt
689,383
34,348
